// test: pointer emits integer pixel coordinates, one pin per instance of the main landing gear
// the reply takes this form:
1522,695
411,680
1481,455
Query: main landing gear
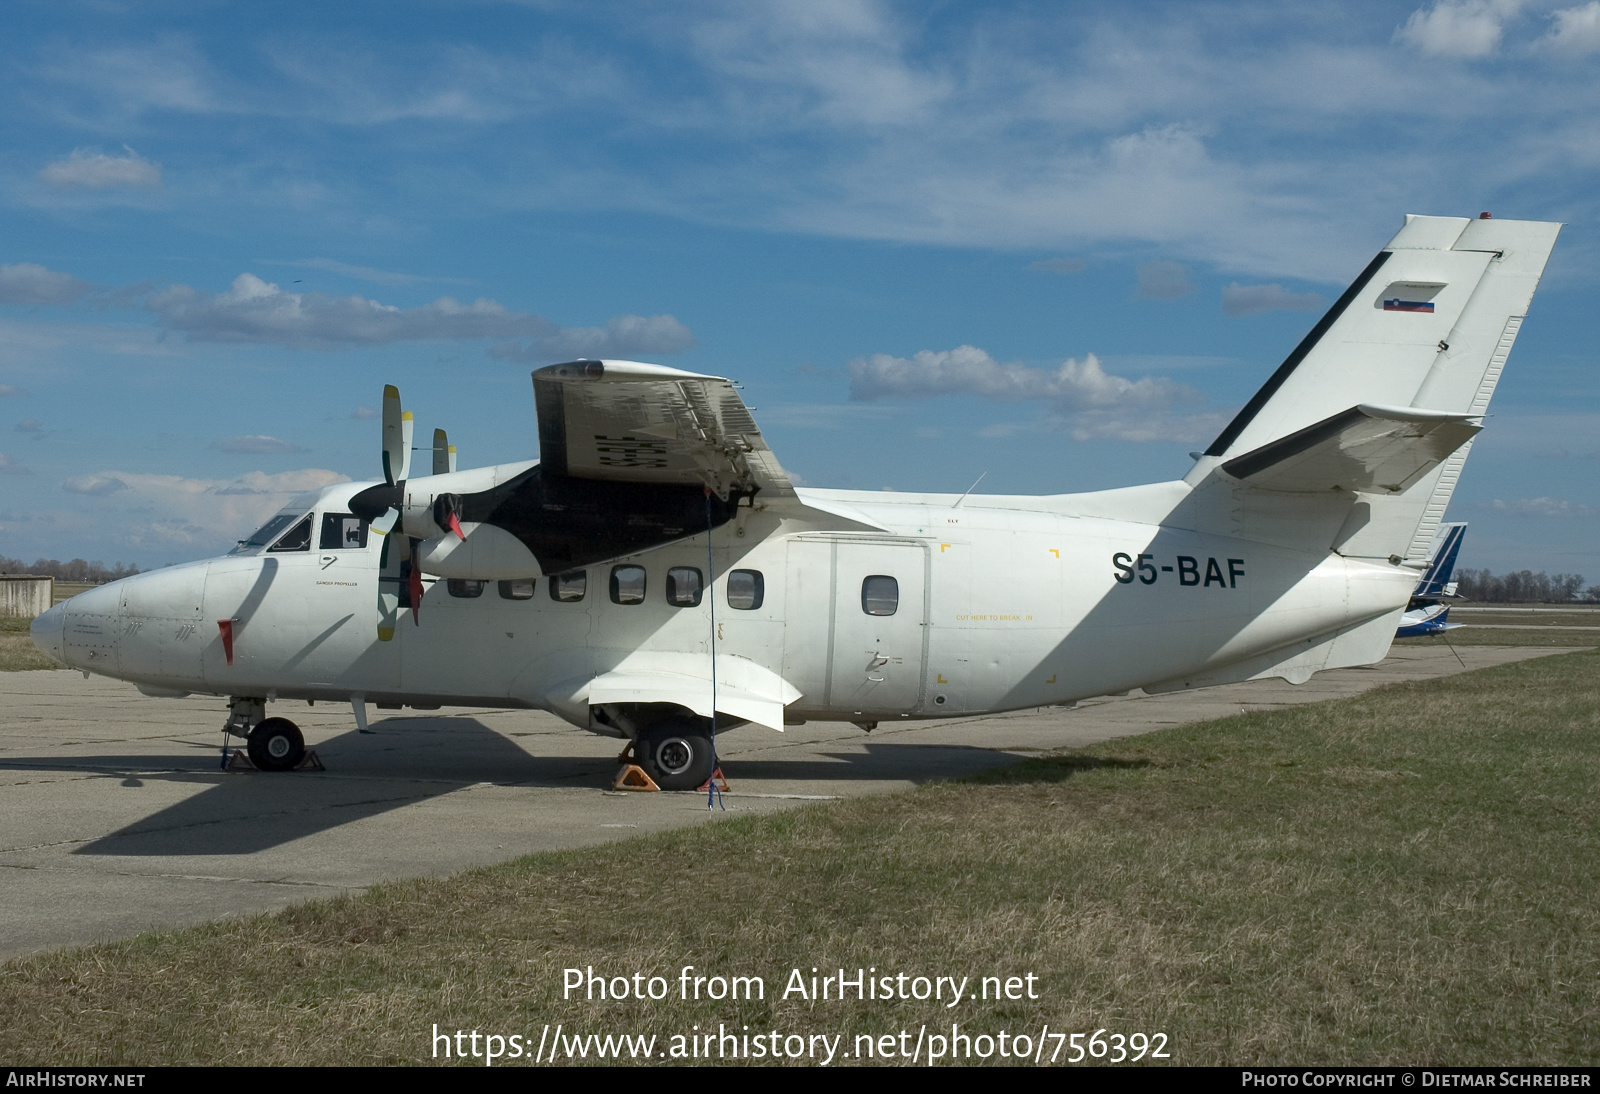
676,753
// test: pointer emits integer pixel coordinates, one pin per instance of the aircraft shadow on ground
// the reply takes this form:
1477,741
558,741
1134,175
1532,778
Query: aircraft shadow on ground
405,762
413,760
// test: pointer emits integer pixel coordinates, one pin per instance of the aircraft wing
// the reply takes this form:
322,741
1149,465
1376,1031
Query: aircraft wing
623,421
1370,448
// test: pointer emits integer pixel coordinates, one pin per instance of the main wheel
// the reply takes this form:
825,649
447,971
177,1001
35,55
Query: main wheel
676,754
275,744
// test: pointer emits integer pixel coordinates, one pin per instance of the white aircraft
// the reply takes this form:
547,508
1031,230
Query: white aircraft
655,569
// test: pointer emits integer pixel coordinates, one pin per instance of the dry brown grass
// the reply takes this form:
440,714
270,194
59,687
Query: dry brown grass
17,651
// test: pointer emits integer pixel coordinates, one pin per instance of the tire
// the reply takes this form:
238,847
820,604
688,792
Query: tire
676,754
275,744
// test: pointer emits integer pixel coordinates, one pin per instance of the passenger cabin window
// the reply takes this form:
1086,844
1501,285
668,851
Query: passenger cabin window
342,532
464,588
569,588
520,589
266,533
627,584
880,595
684,586
745,589
297,538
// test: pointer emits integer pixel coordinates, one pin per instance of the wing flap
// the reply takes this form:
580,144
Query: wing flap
1376,449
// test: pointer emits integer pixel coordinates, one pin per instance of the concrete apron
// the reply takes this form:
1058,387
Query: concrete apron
115,817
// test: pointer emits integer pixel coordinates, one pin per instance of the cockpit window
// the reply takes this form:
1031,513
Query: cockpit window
297,538
266,533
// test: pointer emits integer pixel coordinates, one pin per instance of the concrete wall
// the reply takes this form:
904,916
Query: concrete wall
25,596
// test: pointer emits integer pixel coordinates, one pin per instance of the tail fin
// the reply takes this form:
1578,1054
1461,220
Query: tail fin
1436,583
1382,397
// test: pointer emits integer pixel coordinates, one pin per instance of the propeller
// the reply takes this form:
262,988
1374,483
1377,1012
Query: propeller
379,506
399,578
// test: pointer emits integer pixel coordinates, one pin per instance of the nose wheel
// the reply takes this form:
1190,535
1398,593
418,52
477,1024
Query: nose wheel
275,744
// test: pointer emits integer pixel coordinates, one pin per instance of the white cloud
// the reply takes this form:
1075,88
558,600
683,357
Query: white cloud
1163,280
259,311
1543,507
1081,396
364,413
833,62
11,391
30,425
1458,28
98,171
1240,300
9,466
176,511
256,445
28,283
1576,32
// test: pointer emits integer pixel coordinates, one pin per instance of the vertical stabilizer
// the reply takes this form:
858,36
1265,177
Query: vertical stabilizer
1427,326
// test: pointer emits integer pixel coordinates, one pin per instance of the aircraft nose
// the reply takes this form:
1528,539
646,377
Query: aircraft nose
48,631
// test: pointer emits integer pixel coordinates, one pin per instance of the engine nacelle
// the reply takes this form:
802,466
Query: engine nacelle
488,553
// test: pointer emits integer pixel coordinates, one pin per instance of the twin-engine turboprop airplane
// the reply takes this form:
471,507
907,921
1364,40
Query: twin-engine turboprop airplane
655,568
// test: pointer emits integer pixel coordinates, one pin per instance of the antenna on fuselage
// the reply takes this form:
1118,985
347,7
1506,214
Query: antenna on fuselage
968,490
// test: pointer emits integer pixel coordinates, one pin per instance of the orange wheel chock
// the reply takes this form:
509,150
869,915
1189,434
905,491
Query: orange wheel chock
633,777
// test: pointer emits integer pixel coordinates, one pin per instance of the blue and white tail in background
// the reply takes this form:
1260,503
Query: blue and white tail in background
1426,613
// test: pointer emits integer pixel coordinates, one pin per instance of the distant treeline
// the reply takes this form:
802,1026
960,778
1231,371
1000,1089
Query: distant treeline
93,573
1525,586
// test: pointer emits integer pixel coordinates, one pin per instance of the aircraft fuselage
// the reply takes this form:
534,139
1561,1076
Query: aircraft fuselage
992,604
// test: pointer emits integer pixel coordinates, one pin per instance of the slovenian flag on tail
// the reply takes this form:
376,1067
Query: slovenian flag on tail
1408,305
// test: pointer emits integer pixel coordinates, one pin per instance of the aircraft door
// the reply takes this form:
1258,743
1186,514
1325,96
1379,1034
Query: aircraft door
879,617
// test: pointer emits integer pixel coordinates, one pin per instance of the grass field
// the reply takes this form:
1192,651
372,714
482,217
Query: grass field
17,651
1411,875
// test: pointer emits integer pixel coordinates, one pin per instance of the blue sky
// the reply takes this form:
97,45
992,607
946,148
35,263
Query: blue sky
224,227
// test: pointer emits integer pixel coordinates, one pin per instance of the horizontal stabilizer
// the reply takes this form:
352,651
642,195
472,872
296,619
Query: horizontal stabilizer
1366,448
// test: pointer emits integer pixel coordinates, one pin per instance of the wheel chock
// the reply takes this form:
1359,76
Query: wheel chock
239,760
718,779
634,777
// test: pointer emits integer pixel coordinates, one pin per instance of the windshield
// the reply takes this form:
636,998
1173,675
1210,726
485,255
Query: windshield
266,533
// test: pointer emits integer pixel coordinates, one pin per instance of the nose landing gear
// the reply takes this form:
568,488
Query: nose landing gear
272,744
276,745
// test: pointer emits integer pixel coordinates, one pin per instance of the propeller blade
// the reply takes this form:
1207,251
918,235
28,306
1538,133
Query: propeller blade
396,446
407,429
414,583
441,453
389,587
